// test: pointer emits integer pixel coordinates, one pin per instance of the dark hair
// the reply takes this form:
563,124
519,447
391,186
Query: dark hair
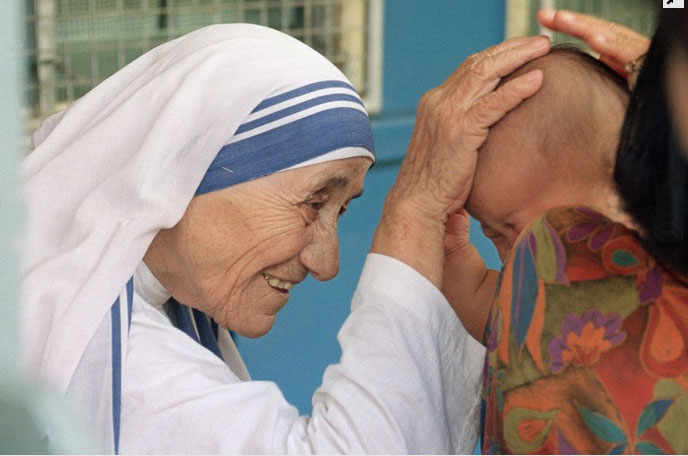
674,26
651,172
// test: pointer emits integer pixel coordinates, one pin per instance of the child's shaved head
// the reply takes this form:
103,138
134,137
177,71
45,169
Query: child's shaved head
558,147
575,118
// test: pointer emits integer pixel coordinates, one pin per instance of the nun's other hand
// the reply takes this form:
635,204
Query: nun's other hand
436,175
618,45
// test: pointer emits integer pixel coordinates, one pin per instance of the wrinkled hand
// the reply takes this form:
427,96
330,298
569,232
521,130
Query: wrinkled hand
453,120
436,175
617,45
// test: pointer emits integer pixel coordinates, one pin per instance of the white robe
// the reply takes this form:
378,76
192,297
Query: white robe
120,165
408,381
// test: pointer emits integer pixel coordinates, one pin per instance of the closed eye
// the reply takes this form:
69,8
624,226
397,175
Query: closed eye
315,205
316,202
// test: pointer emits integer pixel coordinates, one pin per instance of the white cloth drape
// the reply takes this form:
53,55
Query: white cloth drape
121,164
408,382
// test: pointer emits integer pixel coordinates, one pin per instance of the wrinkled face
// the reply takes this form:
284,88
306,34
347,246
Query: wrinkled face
237,252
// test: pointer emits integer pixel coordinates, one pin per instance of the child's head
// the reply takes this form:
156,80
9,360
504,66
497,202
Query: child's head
557,148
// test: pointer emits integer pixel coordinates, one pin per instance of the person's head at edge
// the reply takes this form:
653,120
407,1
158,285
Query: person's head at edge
652,164
557,148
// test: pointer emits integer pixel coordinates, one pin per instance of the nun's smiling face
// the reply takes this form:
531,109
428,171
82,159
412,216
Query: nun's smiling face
237,252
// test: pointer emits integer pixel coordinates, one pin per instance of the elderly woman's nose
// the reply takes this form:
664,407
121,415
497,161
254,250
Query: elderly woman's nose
321,256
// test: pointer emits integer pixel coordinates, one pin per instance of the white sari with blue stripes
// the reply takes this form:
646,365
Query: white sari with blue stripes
221,105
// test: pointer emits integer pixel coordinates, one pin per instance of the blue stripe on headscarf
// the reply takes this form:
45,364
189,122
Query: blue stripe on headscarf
286,146
302,91
296,108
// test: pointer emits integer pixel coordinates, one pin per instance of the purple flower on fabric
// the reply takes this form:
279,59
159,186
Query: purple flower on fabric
651,287
584,339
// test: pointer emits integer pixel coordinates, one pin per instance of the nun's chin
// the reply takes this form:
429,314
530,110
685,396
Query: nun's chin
259,329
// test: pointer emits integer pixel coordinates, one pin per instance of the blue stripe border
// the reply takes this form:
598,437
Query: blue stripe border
286,146
248,126
130,300
116,371
301,91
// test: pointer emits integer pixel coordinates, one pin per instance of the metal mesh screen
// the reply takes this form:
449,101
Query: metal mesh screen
636,14
75,44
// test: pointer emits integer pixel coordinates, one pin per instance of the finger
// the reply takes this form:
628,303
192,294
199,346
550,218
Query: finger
495,105
576,24
456,222
510,44
457,232
615,66
607,38
453,225
507,62
620,43
546,17
487,71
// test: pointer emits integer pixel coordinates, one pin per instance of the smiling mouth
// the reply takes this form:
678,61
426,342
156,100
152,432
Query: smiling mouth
283,286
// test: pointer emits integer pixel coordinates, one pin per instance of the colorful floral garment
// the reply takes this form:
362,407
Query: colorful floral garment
587,344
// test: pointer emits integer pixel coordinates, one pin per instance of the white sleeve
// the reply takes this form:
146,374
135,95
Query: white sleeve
408,382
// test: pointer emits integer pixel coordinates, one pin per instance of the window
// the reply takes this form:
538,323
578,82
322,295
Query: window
75,44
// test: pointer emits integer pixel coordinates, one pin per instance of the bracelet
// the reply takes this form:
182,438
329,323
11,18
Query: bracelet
633,68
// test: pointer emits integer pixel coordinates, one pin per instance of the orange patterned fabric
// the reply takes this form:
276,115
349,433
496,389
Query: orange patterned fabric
587,344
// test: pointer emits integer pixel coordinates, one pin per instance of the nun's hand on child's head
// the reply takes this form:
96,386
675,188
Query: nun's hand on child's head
618,45
452,122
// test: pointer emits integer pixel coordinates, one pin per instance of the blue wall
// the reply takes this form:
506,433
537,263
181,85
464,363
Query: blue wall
423,43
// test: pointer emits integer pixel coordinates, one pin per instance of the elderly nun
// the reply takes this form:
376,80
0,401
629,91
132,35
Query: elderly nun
186,195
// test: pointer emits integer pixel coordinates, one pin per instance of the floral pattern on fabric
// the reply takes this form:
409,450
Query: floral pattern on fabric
587,344
584,339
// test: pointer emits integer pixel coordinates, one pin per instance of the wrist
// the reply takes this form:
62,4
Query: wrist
409,234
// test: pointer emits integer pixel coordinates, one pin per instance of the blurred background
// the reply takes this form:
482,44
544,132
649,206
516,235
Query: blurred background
54,51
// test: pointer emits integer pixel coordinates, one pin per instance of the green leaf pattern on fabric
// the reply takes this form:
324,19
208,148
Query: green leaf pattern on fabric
624,259
674,426
550,257
602,426
648,448
651,415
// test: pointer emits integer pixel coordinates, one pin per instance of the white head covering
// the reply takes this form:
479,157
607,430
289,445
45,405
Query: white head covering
124,161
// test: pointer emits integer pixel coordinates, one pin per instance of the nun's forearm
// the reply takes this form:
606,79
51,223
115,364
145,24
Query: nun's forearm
407,233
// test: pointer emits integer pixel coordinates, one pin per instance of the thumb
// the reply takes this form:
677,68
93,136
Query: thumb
457,232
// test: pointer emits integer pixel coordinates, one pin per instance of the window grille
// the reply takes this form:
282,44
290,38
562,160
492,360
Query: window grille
75,44
636,14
